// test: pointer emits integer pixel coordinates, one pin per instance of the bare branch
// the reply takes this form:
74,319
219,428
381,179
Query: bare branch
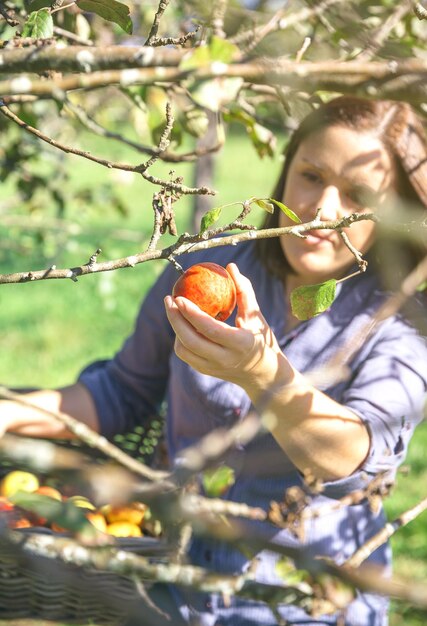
282,23
357,255
54,56
163,5
175,41
218,14
397,80
380,36
385,533
8,15
185,244
167,157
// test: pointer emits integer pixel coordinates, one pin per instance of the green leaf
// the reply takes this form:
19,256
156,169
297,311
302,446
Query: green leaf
209,218
263,204
310,300
263,139
110,10
39,25
213,94
65,514
222,50
217,50
287,571
196,122
217,481
286,210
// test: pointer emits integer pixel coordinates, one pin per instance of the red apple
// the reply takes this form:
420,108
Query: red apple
209,286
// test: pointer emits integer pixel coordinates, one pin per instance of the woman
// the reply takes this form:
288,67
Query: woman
348,156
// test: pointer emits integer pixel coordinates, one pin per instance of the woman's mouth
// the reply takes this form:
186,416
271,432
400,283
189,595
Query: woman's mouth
318,237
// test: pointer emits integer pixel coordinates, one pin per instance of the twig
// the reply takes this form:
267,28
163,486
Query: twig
44,456
420,11
217,506
305,45
357,255
175,41
139,169
284,23
164,140
258,34
384,534
58,6
167,157
66,34
163,5
12,21
378,39
218,14
213,446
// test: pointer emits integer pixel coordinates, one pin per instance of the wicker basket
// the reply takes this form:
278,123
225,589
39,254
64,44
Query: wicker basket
41,588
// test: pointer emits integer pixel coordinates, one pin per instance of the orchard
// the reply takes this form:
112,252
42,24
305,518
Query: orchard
134,136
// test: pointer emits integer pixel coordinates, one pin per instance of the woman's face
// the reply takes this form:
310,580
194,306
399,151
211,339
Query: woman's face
342,172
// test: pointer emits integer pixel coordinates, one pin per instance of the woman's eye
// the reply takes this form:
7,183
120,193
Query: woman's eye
312,177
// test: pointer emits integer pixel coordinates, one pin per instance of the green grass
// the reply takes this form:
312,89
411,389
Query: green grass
51,329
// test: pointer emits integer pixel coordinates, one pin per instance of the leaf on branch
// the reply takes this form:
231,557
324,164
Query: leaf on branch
310,300
286,210
263,140
209,218
39,25
338,592
217,481
109,10
218,50
213,94
196,122
286,570
263,204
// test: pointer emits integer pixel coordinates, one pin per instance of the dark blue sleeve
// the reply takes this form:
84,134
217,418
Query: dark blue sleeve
132,386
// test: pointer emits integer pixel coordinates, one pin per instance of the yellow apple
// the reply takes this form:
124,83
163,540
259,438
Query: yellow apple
18,480
124,529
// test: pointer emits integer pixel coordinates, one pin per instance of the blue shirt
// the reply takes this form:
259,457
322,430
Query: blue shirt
386,388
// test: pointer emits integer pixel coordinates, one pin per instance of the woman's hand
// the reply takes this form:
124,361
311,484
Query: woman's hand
246,354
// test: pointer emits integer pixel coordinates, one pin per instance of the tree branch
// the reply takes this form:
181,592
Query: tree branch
139,169
385,533
397,80
185,245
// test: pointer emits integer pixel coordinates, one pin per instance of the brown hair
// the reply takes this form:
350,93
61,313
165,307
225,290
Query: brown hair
398,127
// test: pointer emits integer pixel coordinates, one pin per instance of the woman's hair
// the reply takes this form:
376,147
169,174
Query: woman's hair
400,130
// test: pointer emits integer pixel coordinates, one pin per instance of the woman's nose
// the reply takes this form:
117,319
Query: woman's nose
330,204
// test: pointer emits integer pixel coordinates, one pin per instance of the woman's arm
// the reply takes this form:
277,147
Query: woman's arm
22,419
317,433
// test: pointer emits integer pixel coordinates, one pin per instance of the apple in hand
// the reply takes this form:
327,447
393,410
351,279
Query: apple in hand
210,286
